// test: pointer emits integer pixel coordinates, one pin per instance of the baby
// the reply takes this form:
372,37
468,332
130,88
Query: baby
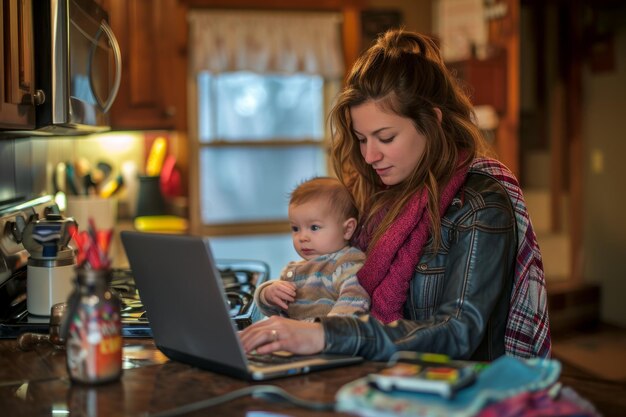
323,219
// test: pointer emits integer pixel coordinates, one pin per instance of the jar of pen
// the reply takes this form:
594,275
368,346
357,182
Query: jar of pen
93,324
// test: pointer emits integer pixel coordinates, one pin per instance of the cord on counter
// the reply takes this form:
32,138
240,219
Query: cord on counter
256,391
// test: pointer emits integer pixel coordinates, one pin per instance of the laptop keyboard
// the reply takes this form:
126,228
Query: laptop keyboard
271,359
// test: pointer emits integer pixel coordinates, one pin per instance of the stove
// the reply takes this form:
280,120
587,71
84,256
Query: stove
240,278
15,214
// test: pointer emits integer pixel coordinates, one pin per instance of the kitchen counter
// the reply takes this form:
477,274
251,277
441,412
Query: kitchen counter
35,383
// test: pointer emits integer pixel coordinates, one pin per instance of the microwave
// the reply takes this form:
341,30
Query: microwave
78,66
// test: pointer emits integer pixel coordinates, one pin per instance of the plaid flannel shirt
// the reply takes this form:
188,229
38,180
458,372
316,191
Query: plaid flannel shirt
528,328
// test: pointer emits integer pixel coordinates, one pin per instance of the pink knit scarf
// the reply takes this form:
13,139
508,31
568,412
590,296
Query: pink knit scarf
390,265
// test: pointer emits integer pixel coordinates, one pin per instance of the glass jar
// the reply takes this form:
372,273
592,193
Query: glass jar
94,329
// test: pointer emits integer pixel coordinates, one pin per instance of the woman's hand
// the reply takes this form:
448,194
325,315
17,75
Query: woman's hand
279,293
279,333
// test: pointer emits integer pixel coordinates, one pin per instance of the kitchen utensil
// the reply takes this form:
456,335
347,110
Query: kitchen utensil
27,341
105,167
71,182
171,184
156,157
82,167
59,178
83,173
131,185
112,186
100,173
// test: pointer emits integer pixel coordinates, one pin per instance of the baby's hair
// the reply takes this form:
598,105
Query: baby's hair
329,189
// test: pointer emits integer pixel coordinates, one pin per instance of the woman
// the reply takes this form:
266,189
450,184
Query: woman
452,263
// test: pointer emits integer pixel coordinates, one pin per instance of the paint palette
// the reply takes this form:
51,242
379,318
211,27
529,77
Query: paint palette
440,380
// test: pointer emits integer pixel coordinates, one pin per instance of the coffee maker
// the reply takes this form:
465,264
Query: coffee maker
51,262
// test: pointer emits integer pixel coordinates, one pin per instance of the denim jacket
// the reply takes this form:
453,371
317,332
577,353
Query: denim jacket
459,296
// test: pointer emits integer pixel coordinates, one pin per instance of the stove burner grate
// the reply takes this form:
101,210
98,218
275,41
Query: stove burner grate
240,278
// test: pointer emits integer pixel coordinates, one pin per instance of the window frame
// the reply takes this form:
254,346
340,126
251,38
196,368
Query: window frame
330,90
352,43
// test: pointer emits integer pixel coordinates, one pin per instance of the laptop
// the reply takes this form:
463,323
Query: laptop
182,291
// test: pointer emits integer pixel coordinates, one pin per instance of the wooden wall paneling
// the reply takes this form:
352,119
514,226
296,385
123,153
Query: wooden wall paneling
193,142
574,122
541,104
351,35
558,154
274,4
504,33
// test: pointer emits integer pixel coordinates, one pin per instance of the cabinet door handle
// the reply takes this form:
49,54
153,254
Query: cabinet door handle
170,111
39,97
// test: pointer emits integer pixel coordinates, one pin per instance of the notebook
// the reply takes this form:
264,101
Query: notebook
183,294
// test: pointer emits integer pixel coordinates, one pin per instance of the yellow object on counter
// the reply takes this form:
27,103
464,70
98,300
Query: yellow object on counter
165,224
156,157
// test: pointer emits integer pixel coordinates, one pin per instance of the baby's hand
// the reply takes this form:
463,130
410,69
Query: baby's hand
280,294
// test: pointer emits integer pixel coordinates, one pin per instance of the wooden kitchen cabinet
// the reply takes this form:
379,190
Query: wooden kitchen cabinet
17,70
487,79
153,41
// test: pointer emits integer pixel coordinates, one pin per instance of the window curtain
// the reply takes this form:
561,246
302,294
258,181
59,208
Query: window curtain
266,42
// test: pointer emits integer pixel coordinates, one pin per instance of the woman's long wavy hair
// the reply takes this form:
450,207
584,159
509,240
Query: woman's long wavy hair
403,73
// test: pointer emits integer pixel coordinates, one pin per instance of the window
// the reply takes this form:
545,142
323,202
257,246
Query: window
249,106
261,84
260,136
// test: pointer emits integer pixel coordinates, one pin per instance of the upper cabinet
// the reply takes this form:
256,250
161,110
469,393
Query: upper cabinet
487,78
17,91
153,42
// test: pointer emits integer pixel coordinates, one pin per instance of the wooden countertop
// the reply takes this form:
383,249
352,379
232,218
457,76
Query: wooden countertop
35,383
146,389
